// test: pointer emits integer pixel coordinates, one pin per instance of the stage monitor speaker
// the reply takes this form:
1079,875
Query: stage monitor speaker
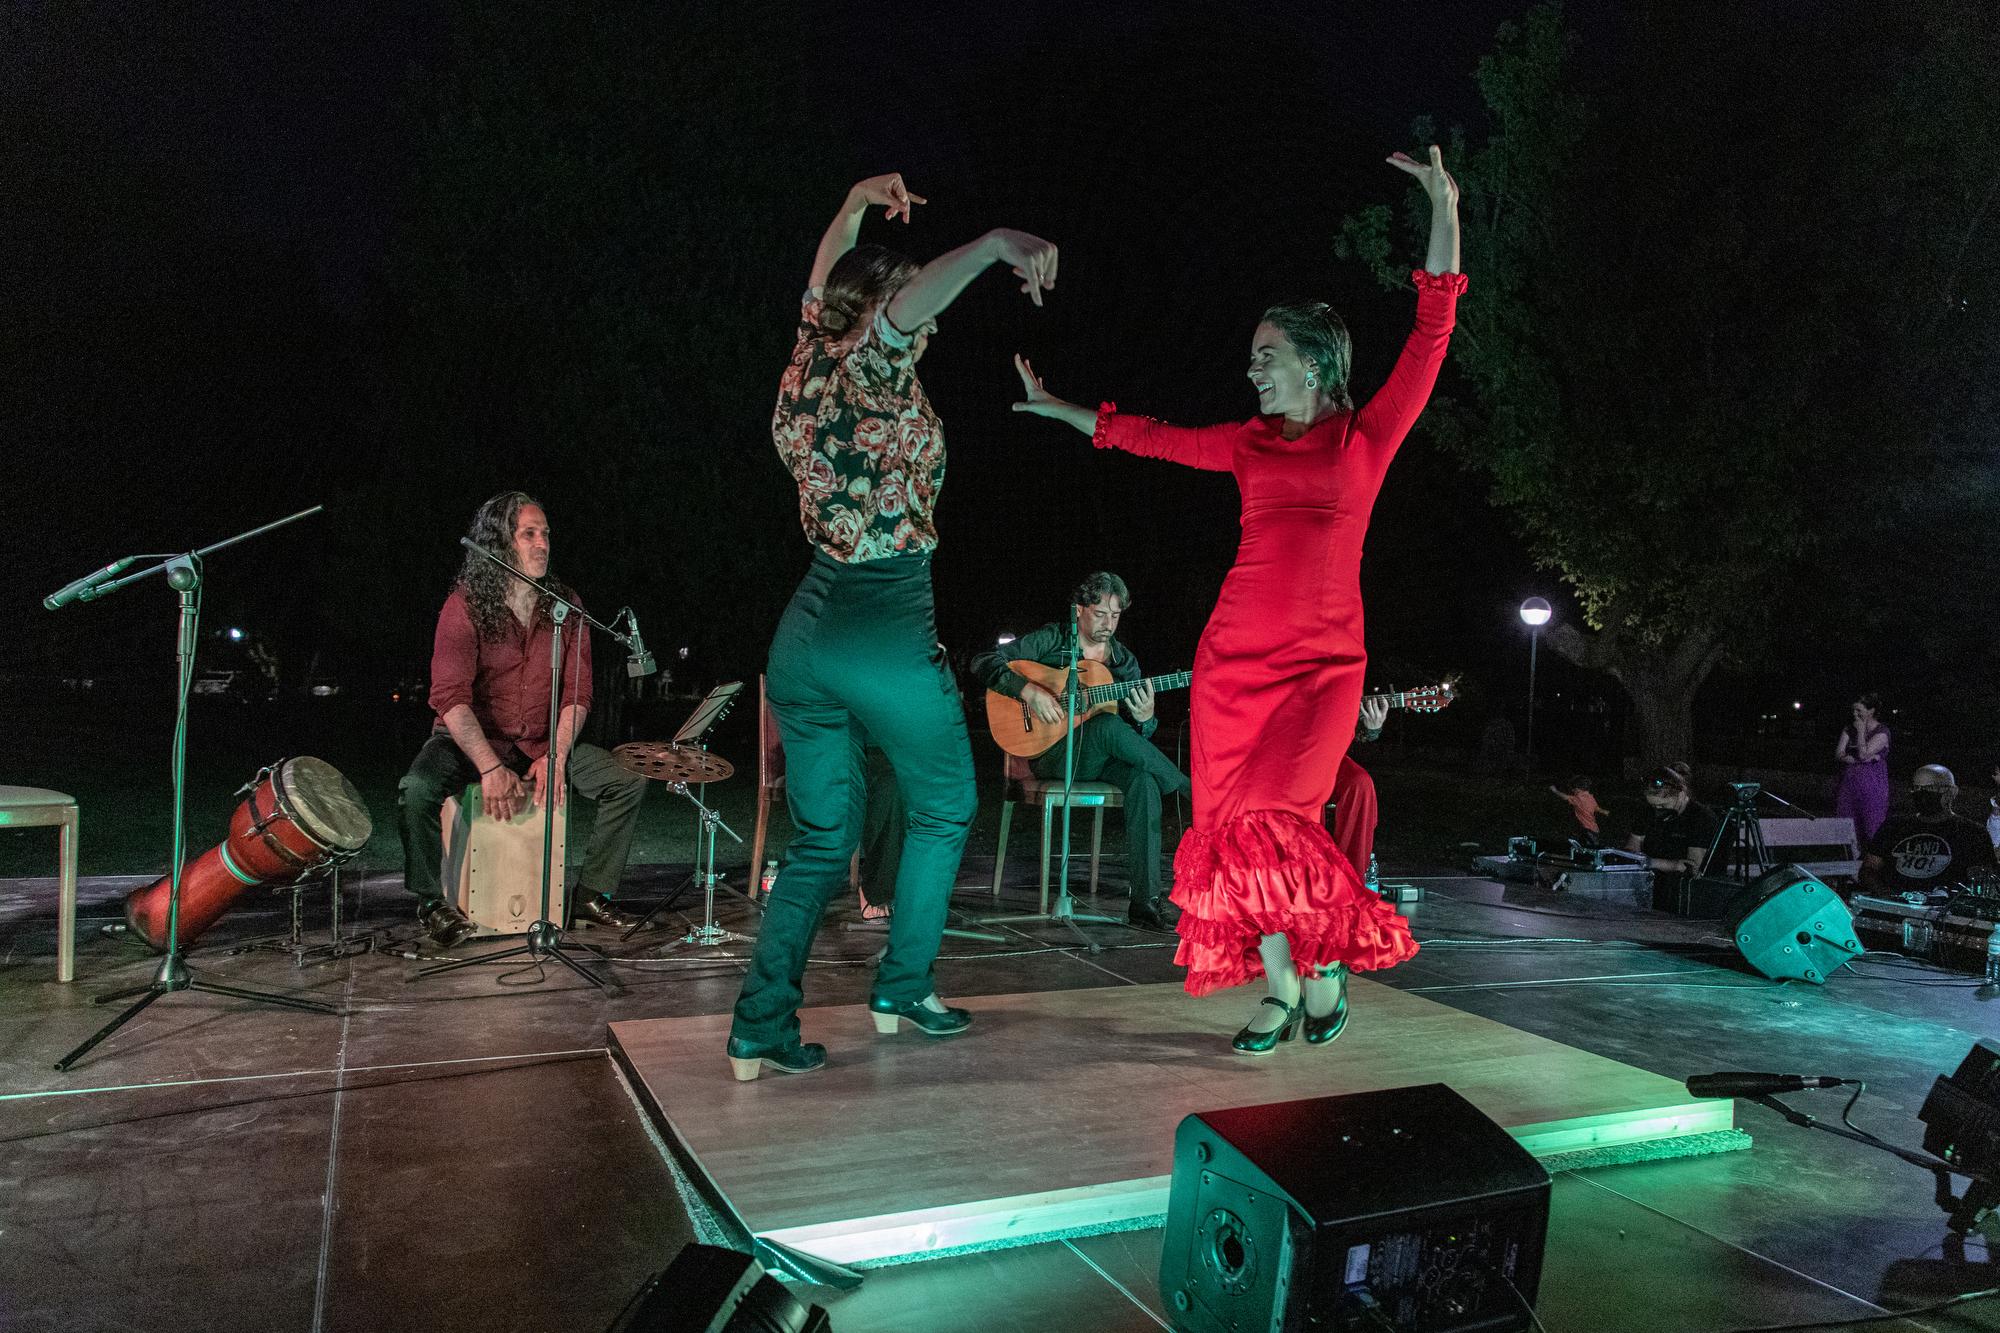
1790,926
1400,1209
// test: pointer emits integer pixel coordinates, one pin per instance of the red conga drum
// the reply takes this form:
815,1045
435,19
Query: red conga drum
301,816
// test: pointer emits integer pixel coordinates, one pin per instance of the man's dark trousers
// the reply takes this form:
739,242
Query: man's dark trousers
441,770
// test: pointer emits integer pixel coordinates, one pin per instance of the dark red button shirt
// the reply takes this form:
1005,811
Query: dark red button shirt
506,680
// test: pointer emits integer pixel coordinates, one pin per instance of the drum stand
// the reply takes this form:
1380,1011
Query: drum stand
707,934
1064,911
294,944
184,577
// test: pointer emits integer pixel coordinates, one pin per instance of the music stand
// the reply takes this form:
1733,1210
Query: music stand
184,576
684,760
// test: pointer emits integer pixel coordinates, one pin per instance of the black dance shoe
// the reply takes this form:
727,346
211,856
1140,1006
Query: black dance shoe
889,1015
1152,913
443,922
747,1059
1321,1030
1251,1042
597,910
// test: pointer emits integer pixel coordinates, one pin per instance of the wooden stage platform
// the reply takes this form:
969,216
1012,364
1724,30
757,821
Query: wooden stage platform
1056,1112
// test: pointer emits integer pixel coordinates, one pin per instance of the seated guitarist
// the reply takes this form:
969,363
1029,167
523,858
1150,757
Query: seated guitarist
1111,747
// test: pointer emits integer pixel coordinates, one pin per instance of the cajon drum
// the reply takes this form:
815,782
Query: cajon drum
493,870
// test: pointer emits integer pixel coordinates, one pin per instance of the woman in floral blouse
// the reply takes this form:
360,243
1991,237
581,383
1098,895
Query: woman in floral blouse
857,652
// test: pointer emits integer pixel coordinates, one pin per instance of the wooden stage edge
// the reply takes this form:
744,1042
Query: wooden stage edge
1056,1114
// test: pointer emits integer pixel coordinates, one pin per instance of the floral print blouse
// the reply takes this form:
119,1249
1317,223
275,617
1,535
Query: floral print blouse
860,439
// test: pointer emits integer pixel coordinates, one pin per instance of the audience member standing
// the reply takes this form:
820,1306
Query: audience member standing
1863,754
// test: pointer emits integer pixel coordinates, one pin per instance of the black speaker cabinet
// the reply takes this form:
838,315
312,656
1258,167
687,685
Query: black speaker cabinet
1404,1209
1790,926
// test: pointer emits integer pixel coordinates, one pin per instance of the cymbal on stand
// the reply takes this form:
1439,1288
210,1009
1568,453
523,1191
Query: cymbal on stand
666,762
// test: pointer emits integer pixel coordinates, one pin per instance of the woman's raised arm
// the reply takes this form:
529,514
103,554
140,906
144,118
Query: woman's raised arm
887,192
938,283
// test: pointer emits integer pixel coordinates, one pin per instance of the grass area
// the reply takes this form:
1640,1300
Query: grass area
115,762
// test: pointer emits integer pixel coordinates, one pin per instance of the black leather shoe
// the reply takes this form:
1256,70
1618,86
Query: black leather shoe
1320,1031
747,1059
597,910
1152,914
889,1015
1251,1042
444,923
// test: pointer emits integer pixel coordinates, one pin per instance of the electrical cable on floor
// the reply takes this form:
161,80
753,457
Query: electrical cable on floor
1933,1308
1525,1304
1940,984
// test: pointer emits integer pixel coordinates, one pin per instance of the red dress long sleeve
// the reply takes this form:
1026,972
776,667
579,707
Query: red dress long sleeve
1278,674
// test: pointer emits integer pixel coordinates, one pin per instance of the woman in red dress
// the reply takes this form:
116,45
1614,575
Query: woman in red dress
1277,678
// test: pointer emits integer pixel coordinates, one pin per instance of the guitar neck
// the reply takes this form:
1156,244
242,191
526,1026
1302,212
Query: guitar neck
1094,695
1393,699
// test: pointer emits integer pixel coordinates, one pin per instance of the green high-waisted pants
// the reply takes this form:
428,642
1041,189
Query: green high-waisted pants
856,654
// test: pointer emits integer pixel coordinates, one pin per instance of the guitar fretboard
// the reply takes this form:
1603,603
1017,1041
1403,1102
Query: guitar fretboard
1093,695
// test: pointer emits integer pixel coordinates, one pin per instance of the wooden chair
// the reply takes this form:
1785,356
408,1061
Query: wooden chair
771,789
1022,787
26,807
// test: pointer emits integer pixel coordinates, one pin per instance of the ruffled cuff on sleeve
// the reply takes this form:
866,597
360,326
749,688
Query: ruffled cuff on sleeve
1442,284
1100,438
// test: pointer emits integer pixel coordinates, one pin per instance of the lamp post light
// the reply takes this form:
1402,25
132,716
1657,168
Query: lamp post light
1535,613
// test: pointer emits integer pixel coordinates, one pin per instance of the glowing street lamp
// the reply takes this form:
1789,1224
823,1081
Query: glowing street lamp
1535,613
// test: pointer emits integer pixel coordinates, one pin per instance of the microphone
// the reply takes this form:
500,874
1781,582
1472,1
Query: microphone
1738,1084
640,662
83,588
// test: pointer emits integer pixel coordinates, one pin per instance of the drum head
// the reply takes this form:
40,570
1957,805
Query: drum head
322,803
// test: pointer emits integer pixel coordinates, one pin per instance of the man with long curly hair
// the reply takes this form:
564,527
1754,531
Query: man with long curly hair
490,689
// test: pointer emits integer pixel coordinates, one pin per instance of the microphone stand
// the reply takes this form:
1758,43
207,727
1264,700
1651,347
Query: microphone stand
1963,1213
545,937
1064,911
184,576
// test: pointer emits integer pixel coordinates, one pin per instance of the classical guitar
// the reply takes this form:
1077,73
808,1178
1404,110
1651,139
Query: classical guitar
1018,732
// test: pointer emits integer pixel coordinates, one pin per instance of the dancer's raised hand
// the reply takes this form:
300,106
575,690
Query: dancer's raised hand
1038,400
1437,182
1035,398
889,194
1032,259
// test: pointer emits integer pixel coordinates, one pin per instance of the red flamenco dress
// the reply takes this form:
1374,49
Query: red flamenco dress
1277,678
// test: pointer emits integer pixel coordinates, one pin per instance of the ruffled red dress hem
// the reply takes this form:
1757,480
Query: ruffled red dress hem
1273,872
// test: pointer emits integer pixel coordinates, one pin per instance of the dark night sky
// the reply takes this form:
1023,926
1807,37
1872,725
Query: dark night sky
218,191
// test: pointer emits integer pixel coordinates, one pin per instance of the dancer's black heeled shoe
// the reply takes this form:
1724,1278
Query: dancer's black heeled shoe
747,1059
1251,1042
1323,1029
889,1015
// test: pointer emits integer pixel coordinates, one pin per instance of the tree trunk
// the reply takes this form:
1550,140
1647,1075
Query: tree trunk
1664,711
1661,682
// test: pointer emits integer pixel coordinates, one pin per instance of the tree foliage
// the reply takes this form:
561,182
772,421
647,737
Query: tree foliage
1693,333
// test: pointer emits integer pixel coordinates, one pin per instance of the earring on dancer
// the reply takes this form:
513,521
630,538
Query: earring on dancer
1321,1029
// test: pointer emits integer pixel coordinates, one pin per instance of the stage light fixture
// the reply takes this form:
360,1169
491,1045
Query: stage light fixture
707,1289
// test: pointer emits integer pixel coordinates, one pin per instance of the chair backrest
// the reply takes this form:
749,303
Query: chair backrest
770,749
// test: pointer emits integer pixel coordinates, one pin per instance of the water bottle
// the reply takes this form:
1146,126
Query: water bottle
770,878
1993,958
1375,876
